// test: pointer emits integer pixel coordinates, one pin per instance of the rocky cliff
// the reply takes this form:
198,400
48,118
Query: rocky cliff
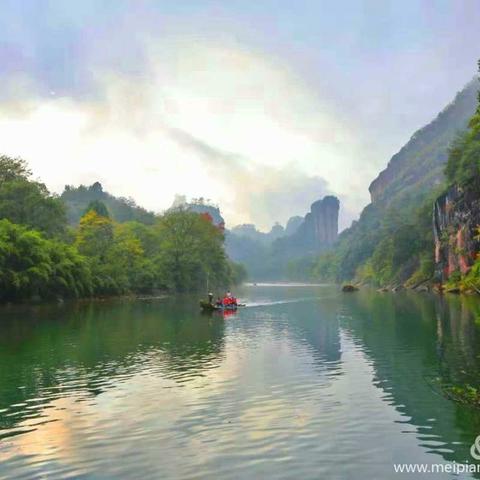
201,206
292,225
419,165
317,232
206,209
456,220
320,226
391,243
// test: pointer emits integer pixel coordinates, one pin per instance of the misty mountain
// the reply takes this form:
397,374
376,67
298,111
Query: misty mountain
292,225
252,248
267,255
418,166
250,231
120,209
392,240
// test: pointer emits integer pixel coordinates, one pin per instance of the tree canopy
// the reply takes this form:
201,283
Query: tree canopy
41,257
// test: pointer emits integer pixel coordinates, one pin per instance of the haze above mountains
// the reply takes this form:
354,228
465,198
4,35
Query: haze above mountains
260,107
416,168
412,173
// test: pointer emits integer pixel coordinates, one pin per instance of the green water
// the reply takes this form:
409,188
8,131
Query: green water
303,383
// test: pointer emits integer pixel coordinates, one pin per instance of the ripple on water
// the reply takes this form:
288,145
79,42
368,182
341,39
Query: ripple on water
288,389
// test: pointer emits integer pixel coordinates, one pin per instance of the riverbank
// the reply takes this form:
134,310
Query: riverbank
59,302
455,288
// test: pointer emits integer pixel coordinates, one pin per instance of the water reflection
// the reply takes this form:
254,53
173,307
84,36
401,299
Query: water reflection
458,339
304,383
417,345
49,352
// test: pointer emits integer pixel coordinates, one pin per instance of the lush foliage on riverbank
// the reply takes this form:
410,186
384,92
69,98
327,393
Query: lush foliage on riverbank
463,170
41,256
463,167
392,243
382,248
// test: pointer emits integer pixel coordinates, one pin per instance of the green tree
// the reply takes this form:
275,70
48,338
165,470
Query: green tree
94,235
40,257
34,266
133,270
13,169
463,166
28,202
98,207
238,273
94,241
191,252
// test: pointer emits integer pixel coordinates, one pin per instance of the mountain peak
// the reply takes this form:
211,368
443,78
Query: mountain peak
420,163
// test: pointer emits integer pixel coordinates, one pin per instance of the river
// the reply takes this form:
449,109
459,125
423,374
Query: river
305,382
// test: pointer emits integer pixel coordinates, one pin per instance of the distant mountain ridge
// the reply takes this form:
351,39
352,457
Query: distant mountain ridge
120,209
317,231
266,255
418,166
249,230
391,243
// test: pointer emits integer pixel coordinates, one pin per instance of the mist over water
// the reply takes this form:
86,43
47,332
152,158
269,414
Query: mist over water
304,382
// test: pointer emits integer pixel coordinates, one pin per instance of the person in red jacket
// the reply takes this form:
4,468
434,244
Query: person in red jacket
229,300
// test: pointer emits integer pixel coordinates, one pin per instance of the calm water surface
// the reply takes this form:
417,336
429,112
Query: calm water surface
303,383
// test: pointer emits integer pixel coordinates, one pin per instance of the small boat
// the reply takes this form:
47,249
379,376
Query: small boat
211,307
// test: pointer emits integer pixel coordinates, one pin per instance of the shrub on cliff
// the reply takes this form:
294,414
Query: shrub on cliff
463,166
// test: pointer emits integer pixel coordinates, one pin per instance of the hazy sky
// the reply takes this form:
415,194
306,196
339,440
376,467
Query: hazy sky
262,106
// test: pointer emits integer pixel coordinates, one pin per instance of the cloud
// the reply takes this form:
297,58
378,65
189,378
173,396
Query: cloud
214,157
267,193
219,122
106,90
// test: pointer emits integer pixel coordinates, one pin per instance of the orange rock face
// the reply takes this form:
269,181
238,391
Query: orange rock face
456,217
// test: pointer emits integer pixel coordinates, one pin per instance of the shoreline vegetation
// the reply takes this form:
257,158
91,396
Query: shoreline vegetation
43,257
